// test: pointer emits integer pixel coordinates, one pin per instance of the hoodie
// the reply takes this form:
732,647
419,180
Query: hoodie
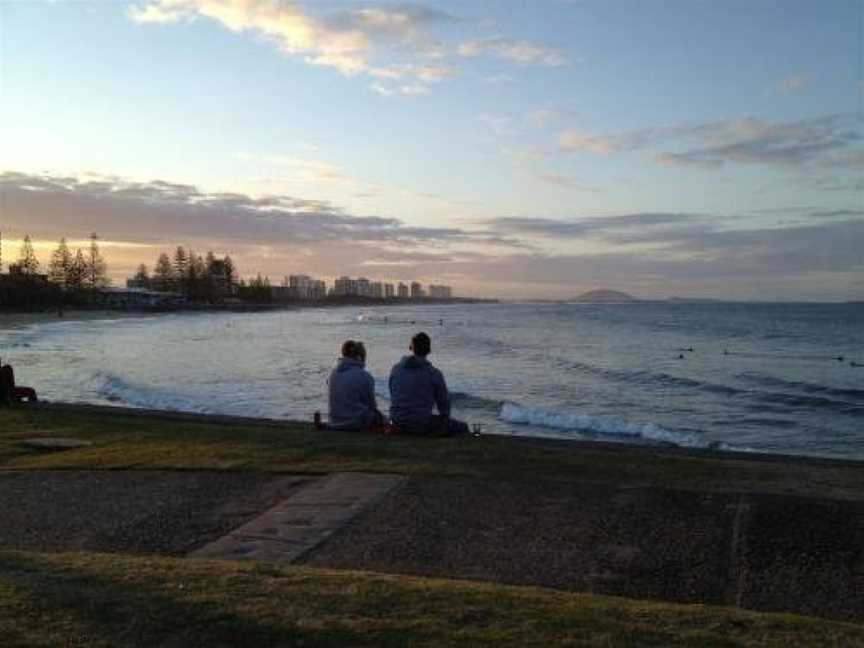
352,396
416,386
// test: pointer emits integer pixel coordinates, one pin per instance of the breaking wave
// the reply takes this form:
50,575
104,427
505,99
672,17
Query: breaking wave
120,391
600,427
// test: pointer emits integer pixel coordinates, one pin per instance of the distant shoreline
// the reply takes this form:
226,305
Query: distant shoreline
10,319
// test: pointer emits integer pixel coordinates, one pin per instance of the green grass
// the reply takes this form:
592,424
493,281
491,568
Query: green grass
127,441
110,600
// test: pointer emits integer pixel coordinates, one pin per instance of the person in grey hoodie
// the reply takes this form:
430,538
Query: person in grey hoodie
416,387
352,391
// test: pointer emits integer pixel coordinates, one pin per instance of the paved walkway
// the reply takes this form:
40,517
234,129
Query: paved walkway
300,523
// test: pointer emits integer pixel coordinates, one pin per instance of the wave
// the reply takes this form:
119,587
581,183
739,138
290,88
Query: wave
597,426
470,401
806,387
117,390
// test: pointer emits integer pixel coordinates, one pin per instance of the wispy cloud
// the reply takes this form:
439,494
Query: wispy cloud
792,83
516,51
825,140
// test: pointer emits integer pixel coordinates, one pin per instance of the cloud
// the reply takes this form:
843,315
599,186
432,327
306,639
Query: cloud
349,41
585,226
516,51
824,140
163,211
565,181
793,83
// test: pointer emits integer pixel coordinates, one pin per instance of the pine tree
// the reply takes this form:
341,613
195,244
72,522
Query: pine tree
61,262
163,274
97,270
28,264
230,274
181,269
1,252
142,277
76,277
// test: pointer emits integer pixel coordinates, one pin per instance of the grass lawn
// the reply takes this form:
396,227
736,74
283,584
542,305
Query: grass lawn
110,600
123,440
87,599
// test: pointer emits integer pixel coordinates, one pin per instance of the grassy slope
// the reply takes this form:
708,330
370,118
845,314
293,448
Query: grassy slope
134,601
90,599
121,440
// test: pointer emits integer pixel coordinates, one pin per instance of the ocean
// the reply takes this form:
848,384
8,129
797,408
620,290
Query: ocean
746,377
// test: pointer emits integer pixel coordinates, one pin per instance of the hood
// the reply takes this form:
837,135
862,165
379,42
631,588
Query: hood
413,362
347,364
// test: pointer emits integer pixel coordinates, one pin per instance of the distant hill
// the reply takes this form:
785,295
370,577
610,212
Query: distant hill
605,297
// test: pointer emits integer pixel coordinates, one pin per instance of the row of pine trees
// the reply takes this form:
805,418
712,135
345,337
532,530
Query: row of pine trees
206,278
84,270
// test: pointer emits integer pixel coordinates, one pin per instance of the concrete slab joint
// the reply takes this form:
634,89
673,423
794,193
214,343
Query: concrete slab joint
300,523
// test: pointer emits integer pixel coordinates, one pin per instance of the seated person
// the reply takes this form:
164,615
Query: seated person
9,393
352,392
416,387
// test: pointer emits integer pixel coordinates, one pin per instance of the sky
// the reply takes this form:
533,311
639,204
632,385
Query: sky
511,149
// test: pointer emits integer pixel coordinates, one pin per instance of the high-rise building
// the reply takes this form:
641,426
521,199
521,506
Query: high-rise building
345,286
440,292
364,287
376,289
417,290
389,291
402,291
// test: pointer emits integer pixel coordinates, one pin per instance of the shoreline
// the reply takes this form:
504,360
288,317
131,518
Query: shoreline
20,319
569,445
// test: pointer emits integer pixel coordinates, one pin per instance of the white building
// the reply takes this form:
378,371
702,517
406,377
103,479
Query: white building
440,292
305,287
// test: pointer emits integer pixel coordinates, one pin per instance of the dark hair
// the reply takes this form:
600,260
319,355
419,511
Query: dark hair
421,344
354,349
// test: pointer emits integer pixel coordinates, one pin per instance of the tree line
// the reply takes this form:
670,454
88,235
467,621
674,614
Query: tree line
205,279
67,278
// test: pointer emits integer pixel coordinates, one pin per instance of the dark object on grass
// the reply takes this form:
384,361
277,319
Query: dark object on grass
9,392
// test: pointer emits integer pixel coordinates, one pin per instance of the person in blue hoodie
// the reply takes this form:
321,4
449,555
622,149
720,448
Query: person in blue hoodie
352,392
416,388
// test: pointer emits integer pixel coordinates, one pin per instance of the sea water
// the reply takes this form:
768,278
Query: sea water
749,377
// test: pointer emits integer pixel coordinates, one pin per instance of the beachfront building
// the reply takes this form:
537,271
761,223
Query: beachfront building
377,290
364,287
402,291
345,286
440,292
306,287
389,291
417,291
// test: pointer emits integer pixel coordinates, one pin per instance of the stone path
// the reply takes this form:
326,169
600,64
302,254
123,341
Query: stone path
300,523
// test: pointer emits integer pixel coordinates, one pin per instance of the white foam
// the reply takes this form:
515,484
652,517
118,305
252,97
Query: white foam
117,390
596,425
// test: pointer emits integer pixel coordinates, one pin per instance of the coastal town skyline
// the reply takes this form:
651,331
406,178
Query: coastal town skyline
509,150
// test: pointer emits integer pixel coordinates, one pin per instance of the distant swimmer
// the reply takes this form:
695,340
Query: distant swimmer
725,351
385,319
852,363
680,356
440,322
690,349
839,358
